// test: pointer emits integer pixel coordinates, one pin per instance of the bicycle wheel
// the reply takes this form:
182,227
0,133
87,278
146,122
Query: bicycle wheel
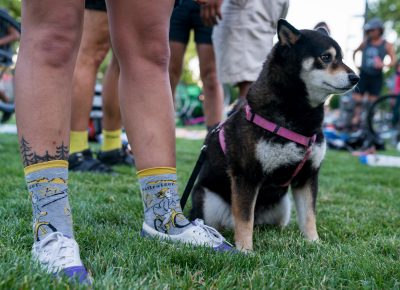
6,74
383,117
11,21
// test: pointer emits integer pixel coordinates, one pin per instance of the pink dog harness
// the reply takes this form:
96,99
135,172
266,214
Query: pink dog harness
252,117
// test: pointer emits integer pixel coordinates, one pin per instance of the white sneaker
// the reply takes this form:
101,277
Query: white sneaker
60,255
197,234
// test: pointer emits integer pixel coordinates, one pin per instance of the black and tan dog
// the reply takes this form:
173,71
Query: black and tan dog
248,183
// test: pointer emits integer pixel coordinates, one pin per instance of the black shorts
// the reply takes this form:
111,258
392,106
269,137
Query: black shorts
371,84
186,17
99,5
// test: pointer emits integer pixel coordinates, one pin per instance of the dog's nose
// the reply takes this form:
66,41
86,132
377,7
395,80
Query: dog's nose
353,78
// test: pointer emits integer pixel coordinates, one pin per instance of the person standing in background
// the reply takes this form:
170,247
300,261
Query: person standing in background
374,49
243,37
95,44
186,17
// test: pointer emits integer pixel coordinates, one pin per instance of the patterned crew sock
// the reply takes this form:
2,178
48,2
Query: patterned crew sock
111,140
162,210
47,185
79,141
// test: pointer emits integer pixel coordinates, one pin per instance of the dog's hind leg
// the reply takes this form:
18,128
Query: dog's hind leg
198,196
278,214
244,196
216,212
305,198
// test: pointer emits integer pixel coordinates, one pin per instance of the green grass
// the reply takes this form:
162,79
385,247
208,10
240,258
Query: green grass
358,222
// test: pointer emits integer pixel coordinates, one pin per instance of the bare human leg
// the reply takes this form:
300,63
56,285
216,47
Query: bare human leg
94,46
48,50
111,111
176,63
356,120
214,99
49,46
141,46
113,152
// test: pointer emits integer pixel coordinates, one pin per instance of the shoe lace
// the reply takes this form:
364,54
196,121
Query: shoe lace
212,233
56,251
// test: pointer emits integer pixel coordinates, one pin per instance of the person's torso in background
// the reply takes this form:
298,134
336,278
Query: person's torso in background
275,10
370,54
262,11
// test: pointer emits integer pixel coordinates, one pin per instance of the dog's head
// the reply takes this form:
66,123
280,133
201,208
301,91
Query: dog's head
316,59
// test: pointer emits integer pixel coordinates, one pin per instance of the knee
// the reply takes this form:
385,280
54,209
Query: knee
158,53
93,54
57,43
152,49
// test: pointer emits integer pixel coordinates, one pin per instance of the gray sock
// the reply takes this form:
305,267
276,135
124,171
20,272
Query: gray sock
162,210
49,193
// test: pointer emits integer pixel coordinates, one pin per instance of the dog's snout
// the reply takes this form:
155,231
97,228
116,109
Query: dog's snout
353,78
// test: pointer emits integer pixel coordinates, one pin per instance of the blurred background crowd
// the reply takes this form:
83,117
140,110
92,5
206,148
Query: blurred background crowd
217,51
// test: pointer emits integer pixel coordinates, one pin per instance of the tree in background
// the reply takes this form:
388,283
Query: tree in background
188,78
388,11
13,7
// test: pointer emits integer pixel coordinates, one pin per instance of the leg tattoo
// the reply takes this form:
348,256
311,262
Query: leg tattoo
30,157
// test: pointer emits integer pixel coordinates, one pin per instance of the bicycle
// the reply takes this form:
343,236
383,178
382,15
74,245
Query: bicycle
383,118
6,71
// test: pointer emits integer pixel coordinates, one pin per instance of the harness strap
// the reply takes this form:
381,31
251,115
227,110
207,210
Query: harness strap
301,164
274,128
252,117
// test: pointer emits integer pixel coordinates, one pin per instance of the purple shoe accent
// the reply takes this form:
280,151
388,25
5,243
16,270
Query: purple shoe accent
224,247
144,234
77,272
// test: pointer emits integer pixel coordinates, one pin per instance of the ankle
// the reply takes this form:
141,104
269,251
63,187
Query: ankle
162,209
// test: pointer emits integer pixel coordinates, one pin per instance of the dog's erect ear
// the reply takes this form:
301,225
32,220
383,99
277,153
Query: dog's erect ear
323,30
287,34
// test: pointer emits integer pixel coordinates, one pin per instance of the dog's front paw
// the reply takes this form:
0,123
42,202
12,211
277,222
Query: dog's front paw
314,238
246,251
243,248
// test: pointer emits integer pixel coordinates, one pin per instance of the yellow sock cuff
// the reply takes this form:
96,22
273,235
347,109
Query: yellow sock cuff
111,140
46,165
156,171
78,141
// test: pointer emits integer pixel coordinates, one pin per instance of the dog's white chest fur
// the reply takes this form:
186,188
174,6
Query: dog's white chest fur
272,156
318,154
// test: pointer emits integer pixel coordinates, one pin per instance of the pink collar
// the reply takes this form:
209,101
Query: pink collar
278,130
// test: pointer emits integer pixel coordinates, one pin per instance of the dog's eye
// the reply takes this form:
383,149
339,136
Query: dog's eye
326,57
